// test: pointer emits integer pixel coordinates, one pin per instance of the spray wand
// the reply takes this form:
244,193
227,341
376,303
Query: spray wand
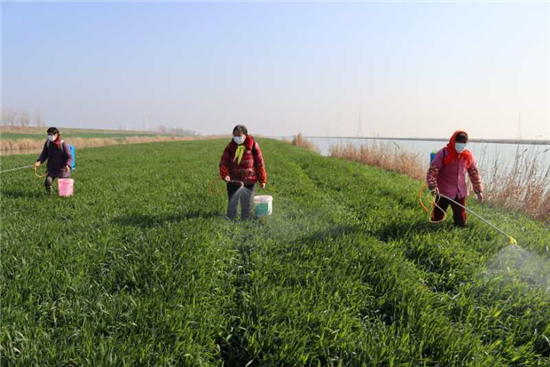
434,204
510,238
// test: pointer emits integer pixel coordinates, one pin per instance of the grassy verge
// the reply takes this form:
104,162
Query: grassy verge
141,268
38,133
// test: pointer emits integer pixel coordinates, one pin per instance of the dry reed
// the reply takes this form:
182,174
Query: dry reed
300,141
384,155
523,186
35,145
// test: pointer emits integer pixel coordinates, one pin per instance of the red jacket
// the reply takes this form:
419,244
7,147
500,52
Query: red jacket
250,170
448,171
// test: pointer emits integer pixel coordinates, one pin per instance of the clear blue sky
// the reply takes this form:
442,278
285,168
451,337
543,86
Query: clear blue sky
413,69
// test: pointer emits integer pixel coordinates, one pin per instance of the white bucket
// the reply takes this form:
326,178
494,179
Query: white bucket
263,205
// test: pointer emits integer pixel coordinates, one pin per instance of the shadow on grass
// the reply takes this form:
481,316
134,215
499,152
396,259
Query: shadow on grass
157,220
331,233
386,233
400,230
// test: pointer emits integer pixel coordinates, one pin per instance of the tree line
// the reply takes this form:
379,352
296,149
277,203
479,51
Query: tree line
12,117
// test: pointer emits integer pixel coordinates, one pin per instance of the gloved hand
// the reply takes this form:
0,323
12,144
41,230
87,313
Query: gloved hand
435,191
480,197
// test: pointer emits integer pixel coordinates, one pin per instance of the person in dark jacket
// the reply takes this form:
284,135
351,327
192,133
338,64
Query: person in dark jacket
241,166
58,154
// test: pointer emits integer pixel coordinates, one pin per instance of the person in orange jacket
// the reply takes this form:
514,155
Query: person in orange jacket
447,176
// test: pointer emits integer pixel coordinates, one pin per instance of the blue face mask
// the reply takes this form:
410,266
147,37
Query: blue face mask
239,139
460,147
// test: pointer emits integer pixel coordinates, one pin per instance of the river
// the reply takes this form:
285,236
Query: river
487,154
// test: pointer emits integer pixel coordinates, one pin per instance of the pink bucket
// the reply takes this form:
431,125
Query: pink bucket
65,186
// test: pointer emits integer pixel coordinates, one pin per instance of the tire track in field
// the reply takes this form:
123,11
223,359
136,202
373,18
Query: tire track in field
237,350
233,348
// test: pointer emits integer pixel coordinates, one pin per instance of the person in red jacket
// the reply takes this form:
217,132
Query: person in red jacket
447,175
241,166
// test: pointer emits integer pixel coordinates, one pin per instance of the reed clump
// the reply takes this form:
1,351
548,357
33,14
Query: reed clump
523,186
300,141
30,145
388,156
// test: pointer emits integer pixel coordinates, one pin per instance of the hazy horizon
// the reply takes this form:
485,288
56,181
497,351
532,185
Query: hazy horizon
412,69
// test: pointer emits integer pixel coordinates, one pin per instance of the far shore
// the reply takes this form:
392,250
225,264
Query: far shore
492,141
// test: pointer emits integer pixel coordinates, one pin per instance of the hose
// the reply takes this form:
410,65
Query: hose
36,173
214,191
433,204
16,169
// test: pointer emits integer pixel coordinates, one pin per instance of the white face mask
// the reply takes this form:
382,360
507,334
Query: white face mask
239,139
460,147
51,137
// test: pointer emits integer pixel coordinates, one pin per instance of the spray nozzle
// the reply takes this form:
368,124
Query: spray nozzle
236,183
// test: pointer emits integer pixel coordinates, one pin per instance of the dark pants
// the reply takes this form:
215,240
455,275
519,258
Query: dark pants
49,181
459,214
245,195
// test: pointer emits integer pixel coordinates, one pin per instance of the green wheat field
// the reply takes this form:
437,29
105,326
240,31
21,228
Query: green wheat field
141,268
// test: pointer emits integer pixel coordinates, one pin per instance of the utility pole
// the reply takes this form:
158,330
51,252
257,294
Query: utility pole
518,135
360,127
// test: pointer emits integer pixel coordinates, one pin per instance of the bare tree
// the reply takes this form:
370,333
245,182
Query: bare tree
24,118
175,131
38,119
9,116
